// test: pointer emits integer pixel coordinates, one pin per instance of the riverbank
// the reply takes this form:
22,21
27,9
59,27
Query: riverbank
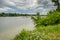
47,28
40,33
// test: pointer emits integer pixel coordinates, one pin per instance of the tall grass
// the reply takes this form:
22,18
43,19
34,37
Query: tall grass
40,33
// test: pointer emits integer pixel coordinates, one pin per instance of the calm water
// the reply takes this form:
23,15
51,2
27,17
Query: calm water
10,26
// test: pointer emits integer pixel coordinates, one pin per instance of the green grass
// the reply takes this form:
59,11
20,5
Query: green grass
51,32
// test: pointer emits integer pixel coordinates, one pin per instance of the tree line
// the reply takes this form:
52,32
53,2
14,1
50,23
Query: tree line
16,14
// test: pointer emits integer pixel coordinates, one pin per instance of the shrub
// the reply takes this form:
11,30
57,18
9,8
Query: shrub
36,19
53,17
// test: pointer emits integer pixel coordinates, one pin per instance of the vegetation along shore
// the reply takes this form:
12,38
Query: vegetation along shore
46,28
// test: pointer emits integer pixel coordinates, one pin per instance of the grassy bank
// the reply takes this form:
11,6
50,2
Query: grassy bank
47,28
40,33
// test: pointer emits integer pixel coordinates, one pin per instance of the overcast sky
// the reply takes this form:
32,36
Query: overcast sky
26,6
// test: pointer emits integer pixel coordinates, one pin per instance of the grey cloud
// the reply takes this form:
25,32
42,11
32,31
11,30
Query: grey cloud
37,5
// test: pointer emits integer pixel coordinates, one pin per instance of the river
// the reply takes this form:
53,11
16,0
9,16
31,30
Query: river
11,26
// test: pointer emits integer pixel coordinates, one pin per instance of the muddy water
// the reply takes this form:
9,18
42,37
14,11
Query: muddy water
10,26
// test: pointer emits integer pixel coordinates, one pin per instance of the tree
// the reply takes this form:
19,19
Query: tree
57,4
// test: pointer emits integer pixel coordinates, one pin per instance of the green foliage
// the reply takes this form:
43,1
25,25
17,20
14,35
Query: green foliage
53,17
49,28
36,19
22,36
28,35
51,32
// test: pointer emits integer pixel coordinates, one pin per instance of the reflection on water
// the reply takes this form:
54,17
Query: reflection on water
10,26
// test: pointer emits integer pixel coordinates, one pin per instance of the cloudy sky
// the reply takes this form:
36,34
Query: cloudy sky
26,6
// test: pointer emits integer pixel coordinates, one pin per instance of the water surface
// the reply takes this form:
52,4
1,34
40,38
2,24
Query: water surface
10,26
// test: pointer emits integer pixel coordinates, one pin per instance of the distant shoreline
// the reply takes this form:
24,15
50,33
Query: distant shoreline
19,16
16,15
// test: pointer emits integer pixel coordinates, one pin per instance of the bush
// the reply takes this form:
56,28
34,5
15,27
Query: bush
36,19
53,17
